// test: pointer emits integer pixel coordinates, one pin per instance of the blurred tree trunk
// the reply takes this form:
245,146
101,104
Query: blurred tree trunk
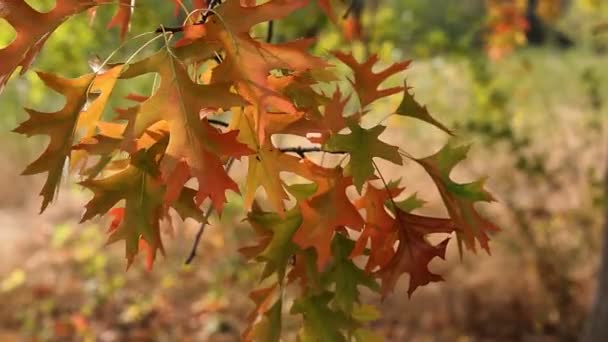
597,325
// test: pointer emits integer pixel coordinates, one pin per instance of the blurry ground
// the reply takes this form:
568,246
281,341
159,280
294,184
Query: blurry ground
59,282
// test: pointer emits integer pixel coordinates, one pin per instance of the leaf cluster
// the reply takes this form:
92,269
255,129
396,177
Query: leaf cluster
325,230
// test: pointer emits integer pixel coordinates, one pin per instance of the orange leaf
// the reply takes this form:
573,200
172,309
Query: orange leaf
59,126
33,29
324,213
366,82
122,18
248,62
138,222
192,142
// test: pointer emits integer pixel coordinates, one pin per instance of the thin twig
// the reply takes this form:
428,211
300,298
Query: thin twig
162,29
201,229
199,234
300,150
270,32
206,15
218,122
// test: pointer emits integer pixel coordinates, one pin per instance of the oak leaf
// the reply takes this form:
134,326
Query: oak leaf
414,251
379,229
324,213
278,248
122,17
321,323
266,166
406,231
142,191
363,145
59,126
194,147
410,107
32,30
347,276
269,308
366,82
460,198
249,62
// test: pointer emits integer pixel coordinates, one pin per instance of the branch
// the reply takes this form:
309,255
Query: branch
218,122
300,150
199,234
163,29
201,229
206,15
270,32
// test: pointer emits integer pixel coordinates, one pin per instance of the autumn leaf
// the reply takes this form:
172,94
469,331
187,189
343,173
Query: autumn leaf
414,251
333,120
59,126
265,167
122,17
323,214
410,107
277,250
101,87
142,208
347,276
407,231
321,323
194,147
380,230
335,10
269,328
220,94
363,145
460,198
409,204
366,82
248,62
140,187
268,307
33,29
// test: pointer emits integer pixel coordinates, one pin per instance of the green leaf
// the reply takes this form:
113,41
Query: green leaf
410,107
280,248
363,145
269,328
460,198
347,276
408,205
321,323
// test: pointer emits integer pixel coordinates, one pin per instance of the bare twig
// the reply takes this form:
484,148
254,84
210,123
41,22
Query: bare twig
301,151
163,29
270,32
201,229
218,122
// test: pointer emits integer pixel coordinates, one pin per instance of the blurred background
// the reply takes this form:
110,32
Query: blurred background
529,88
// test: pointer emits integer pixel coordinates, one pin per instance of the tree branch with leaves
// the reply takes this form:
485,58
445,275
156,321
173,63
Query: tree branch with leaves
333,230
